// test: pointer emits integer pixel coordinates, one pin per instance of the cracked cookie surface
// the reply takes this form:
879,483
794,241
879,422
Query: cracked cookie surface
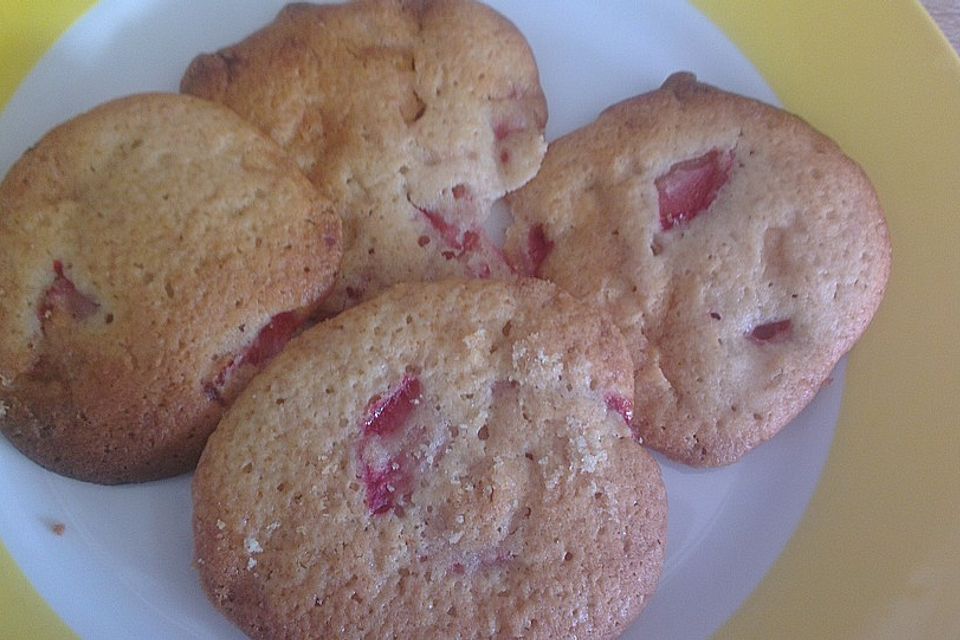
739,250
417,115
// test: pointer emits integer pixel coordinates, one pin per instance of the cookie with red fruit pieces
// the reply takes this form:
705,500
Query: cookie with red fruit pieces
738,249
446,459
417,115
155,252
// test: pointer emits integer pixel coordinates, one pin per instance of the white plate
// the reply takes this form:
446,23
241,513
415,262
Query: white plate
122,569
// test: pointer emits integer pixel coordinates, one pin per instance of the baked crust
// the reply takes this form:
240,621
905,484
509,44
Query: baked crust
145,245
443,459
737,315
417,115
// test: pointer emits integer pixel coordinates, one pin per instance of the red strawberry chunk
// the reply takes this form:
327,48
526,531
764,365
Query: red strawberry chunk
63,296
272,338
472,248
690,187
772,331
266,345
386,415
620,404
538,248
471,241
384,485
480,255
386,469
449,233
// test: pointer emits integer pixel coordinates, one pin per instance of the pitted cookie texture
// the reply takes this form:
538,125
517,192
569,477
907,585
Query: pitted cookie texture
155,253
444,459
417,115
739,250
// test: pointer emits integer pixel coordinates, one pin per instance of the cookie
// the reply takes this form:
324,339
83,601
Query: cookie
417,115
447,459
155,252
738,249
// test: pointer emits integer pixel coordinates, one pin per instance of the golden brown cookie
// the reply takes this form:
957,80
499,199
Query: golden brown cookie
155,252
739,250
446,459
415,114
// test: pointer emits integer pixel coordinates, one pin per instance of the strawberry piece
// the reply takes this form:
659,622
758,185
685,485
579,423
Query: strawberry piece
690,187
385,466
620,404
772,331
474,250
62,296
481,256
272,338
386,415
383,485
538,248
267,344
447,232
471,241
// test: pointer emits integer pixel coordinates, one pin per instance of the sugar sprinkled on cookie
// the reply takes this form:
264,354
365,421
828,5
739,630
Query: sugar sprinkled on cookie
739,250
155,253
441,459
